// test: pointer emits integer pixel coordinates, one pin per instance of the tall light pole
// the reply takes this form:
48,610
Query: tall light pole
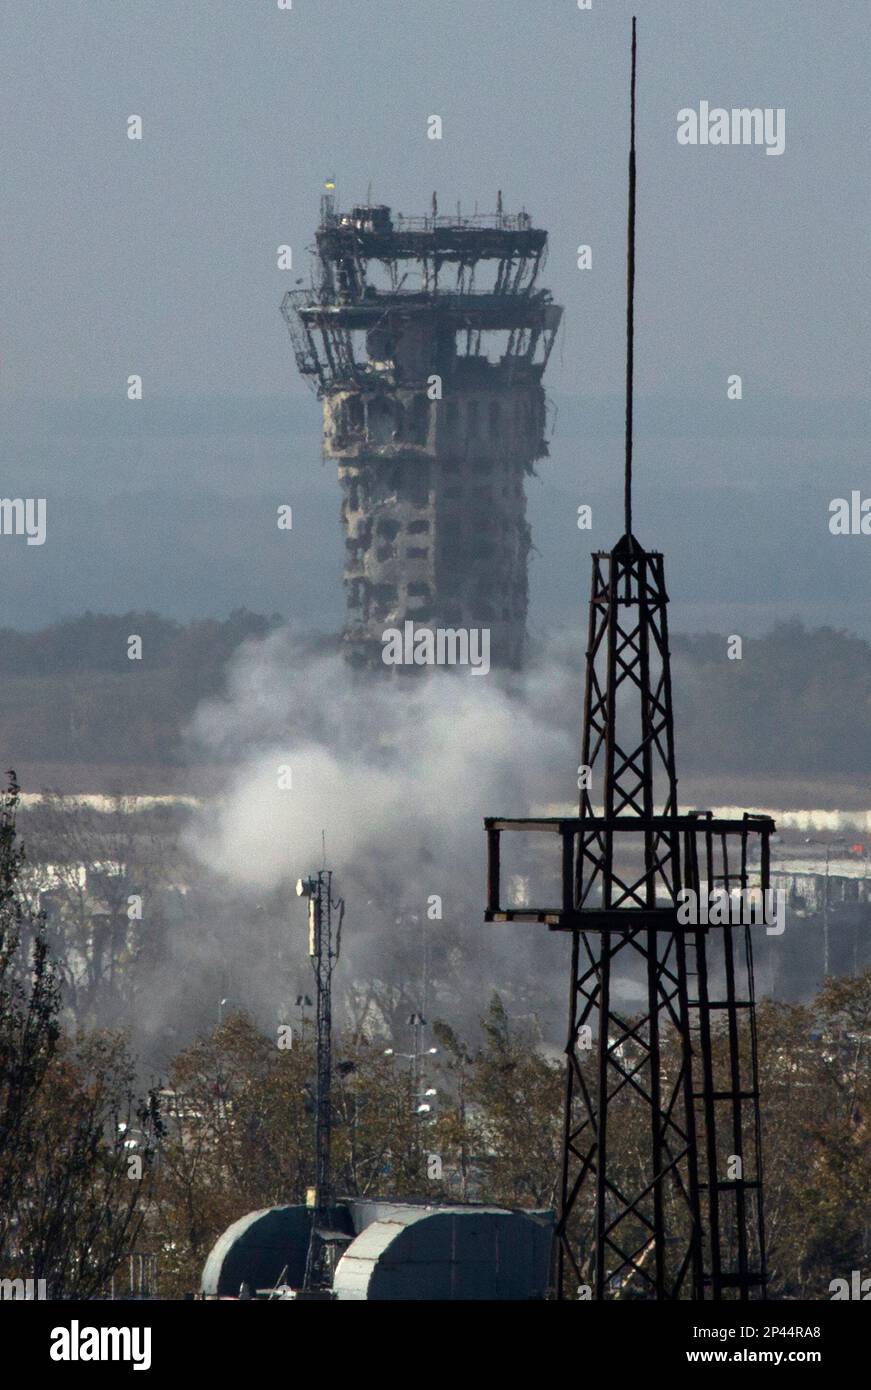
417,1022
829,845
865,897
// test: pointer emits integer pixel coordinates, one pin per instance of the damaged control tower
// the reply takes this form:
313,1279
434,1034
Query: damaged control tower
427,339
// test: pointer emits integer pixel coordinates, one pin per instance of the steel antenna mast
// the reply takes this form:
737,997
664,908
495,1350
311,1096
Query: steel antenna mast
661,1181
324,946
630,303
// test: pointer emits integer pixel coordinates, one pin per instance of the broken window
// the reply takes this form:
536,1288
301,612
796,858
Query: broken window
356,593
379,421
420,420
414,484
381,598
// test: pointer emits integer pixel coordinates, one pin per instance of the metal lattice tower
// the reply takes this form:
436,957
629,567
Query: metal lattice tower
323,948
661,1184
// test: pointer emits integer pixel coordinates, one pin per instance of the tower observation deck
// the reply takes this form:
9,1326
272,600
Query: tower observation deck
427,339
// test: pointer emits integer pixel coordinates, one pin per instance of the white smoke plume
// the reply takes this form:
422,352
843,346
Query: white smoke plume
387,767
398,772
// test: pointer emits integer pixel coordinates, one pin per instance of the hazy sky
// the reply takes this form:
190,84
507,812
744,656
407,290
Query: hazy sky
159,257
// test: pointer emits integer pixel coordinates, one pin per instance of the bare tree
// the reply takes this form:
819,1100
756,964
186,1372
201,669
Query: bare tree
29,1030
76,1145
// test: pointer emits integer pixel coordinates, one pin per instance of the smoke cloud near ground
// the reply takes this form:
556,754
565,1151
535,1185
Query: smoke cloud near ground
389,768
397,772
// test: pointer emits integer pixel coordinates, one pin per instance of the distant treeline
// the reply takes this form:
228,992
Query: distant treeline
796,703
71,692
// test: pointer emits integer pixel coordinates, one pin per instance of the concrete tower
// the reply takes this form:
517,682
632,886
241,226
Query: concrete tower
427,339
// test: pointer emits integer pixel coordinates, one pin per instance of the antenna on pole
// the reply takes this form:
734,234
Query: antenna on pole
630,301
323,949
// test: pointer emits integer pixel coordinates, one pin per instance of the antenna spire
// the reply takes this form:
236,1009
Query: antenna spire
630,301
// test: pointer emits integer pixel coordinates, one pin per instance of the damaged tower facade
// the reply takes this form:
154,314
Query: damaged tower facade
427,339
